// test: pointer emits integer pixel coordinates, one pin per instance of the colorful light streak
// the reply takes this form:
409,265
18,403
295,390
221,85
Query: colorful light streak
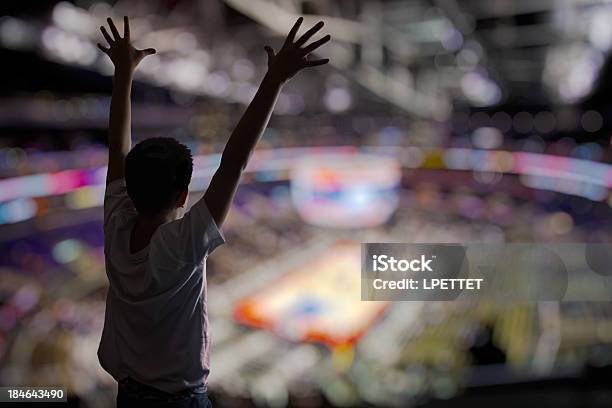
589,179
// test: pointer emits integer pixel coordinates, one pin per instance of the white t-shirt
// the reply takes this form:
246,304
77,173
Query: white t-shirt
156,324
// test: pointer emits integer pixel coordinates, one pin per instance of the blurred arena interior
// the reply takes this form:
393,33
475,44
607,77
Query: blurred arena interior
436,121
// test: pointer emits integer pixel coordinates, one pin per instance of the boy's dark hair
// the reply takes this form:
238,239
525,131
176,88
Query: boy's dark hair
157,170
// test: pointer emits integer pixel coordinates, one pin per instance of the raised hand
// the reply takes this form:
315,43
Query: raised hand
120,50
293,56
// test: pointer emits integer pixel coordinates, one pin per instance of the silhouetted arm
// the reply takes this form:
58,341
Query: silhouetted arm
125,58
292,58
119,132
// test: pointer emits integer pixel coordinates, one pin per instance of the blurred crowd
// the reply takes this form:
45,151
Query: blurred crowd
480,162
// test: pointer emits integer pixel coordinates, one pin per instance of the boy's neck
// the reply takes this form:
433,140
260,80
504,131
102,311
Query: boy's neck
145,227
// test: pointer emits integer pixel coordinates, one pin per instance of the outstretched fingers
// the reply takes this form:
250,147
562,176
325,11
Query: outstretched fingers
306,36
293,32
103,48
270,53
126,28
107,36
315,63
113,28
140,54
148,51
310,48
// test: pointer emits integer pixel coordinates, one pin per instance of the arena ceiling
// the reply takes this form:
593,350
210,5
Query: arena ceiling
422,56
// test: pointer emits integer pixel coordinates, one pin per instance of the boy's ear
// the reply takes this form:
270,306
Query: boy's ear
182,198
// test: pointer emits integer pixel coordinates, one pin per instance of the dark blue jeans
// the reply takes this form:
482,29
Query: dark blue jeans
134,394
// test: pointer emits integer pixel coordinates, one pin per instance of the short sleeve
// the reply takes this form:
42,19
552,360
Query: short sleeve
116,199
193,237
